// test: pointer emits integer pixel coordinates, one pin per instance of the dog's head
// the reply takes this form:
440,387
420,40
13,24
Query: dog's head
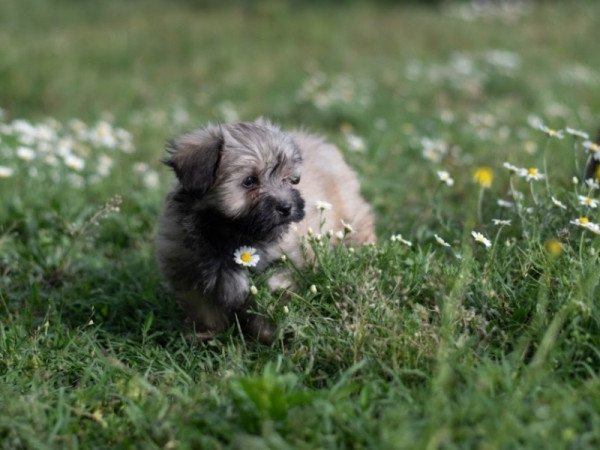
246,172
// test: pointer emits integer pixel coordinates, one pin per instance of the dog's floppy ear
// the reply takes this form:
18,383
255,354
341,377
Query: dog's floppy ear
195,158
593,165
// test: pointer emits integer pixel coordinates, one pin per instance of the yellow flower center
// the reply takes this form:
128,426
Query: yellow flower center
584,220
246,257
552,132
587,201
483,176
532,171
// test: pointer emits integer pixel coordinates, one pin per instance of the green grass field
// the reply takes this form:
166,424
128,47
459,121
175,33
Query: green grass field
397,346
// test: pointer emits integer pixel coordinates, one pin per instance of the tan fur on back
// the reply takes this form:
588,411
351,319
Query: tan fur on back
327,177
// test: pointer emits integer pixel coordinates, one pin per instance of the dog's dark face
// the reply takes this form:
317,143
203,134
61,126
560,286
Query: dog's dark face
245,173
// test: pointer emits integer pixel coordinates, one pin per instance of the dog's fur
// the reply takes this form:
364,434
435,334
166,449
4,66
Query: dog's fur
592,166
248,184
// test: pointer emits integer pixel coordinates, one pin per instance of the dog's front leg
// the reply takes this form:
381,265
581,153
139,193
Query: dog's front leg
233,292
211,305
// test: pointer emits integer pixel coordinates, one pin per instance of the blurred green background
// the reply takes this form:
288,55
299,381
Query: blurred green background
388,72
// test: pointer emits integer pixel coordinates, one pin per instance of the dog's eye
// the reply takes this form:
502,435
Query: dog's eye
295,180
250,181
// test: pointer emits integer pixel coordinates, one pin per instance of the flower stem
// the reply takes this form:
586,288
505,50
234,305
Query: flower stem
480,204
533,193
545,162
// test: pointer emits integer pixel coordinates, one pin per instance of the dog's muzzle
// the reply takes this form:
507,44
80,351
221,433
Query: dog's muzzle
284,209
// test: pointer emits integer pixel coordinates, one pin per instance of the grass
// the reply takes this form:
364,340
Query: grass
419,346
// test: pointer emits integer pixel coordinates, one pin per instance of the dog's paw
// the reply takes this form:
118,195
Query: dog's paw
259,328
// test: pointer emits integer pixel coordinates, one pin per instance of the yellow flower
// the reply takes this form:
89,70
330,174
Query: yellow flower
483,176
554,247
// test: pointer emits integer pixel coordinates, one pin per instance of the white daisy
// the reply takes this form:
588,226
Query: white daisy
323,206
584,222
531,174
594,228
551,132
558,203
64,147
504,203
103,135
399,238
481,238
580,221
535,122
588,201
440,241
74,162
434,149
25,153
501,222
592,184
246,256
355,143
105,164
151,179
511,168
577,133
445,177
6,172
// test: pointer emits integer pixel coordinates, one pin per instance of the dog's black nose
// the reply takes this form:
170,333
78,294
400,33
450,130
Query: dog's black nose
284,208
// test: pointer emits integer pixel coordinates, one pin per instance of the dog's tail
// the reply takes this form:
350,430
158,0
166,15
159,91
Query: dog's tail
592,168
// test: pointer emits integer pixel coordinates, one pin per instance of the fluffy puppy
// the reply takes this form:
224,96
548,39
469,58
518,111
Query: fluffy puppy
592,167
245,184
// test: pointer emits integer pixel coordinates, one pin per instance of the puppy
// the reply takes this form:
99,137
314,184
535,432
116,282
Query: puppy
592,167
246,184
